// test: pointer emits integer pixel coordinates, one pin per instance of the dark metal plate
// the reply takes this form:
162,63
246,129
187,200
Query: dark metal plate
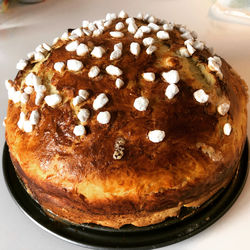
190,222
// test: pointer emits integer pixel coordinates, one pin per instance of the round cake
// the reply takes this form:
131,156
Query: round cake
125,121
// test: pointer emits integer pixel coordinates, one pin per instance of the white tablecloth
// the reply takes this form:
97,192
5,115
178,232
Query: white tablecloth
23,27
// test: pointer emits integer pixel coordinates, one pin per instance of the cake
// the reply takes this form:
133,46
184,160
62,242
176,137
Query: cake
125,121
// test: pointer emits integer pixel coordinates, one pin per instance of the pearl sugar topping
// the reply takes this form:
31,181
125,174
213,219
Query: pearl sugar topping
148,35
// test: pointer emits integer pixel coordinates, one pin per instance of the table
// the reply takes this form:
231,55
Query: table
23,27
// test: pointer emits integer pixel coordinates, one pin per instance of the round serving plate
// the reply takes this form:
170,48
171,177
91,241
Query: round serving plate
190,222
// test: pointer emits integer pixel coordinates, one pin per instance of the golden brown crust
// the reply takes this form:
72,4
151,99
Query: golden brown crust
77,177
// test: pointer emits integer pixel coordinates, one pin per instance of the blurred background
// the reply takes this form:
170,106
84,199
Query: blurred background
223,24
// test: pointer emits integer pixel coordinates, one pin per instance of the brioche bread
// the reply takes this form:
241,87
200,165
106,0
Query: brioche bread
124,121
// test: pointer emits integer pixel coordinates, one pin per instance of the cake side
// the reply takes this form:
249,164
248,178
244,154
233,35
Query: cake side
60,204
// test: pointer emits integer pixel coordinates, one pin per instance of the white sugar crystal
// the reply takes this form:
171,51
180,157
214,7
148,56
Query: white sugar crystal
85,23
46,47
138,34
83,115
77,32
74,65
189,41
113,70
91,26
135,48
24,98
149,76
11,93
171,76
21,64
130,20
163,35
28,90
141,103
40,88
31,54
40,48
152,19
119,83
4,121
227,129
145,29
77,100
223,108
98,52
82,49
184,52
79,130
87,32
38,56
107,23
156,136
116,54
118,46
34,117
187,35
32,80
148,41
200,96
21,120
99,24
214,63
8,84
97,32
72,46
154,26
190,49
171,91
53,100
168,26
146,16
119,26
65,36
132,28
27,126
73,37
122,14
182,28
151,49
111,16
83,93
39,98
100,101
59,66
16,97
55,40
116,34
199,45
93,72
103,117
139,16
194,34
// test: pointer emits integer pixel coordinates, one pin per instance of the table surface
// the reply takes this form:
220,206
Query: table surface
23,27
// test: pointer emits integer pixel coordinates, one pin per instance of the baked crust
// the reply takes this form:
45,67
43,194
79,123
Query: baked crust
78,179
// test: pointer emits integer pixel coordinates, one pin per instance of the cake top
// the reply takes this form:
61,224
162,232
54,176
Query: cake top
102,51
